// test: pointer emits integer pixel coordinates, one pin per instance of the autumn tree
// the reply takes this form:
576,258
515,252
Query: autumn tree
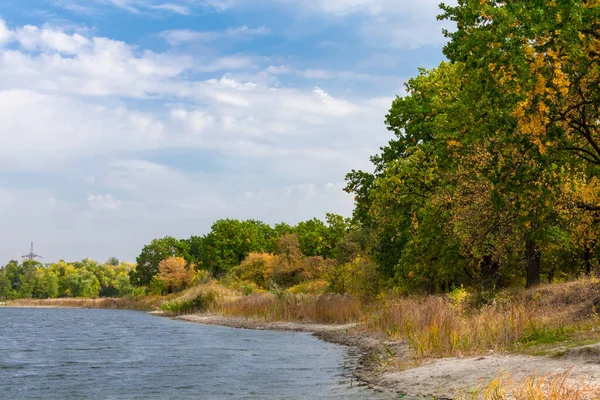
175,273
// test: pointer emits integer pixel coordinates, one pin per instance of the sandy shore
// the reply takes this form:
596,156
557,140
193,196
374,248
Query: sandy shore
387,365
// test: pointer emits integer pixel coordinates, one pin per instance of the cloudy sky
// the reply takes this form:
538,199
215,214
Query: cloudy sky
126,120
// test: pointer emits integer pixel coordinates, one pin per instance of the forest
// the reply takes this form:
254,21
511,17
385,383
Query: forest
490,180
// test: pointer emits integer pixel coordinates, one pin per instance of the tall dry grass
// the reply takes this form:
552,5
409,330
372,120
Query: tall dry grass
438,326
336,309
145,303
435,327
557,386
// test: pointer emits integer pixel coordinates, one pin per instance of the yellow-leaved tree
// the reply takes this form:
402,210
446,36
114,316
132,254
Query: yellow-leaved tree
175,273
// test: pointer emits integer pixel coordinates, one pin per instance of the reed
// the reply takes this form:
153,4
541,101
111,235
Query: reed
145,303
296,307
433,327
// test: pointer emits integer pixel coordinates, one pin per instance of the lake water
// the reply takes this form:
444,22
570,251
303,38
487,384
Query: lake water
106,354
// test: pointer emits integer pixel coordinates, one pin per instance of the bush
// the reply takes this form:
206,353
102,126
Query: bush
360,278
311,287
197,299
257,268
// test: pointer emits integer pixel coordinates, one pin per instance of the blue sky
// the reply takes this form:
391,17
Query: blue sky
126,120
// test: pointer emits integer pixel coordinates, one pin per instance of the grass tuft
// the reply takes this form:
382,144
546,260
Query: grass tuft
556,386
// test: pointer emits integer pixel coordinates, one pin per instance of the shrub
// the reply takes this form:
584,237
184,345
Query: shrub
310,287
198,299
257,268
360,278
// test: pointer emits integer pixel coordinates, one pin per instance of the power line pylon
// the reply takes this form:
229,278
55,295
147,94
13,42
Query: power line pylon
31,256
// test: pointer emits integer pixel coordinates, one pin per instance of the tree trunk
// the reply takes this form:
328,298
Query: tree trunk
490,271
587,260
431,286
533,263
587,256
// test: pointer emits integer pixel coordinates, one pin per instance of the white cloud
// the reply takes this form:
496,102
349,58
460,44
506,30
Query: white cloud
180,36
100,111
42,132
175,8
97,66
132,6
5,33
399,23
32,38
103,202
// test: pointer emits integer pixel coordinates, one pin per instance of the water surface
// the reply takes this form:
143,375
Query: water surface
106,354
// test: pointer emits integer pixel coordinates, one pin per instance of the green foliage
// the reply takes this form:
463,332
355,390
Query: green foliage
230,241
360,278
151,256
79,279
196,299
321,239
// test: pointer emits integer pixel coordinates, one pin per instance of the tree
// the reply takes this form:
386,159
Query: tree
321,239
82,283
175,273
45,284
231,240
535,66
151,256
114,261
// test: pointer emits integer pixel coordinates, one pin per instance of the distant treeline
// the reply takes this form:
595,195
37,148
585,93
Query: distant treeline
31,279
231,241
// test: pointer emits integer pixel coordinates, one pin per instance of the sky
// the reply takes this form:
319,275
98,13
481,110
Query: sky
126,120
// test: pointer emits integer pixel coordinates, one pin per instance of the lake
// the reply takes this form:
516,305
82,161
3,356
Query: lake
109,354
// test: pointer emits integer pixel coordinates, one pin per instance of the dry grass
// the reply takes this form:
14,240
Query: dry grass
199,298
289,307
146,303
438,326
557,386
434,327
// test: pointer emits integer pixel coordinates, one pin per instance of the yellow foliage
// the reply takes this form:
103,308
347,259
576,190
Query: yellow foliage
257,268
311,287
175,273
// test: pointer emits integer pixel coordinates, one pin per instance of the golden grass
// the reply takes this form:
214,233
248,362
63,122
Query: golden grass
289,307
557,386
438,326
145,303
433,327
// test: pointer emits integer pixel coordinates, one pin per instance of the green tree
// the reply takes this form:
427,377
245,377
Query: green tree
45,285
151,256
231,240
114,261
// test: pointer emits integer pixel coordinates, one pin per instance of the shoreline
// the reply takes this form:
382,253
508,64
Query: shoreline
387,365
372,347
